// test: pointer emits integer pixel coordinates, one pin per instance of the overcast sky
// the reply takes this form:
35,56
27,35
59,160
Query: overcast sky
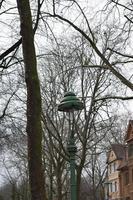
93,6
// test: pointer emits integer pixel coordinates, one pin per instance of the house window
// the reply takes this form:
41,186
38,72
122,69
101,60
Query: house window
115,166
130,150
110,187
115,183
113,187
126,178
112,167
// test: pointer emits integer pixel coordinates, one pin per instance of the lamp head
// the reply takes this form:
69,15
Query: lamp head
70,103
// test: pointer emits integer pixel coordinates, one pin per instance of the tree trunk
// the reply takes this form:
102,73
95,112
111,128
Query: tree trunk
14,191
59,185
34,129
79,171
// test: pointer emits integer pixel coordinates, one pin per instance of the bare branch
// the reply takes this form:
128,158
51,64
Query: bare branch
128,19
114,97
6,106
121,54
12,48
85,20
1,3
119,4
109,66
18,43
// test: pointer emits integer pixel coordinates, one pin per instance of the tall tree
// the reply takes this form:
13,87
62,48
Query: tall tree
34,129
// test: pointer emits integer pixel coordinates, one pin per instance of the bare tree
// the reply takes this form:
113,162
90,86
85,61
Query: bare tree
91,37
34,129
92,126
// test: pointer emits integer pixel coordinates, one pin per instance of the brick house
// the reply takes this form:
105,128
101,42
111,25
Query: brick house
119,182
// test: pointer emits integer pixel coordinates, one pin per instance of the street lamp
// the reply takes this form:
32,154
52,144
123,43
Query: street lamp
69,104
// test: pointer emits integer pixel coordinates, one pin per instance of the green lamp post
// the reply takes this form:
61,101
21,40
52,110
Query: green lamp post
69,104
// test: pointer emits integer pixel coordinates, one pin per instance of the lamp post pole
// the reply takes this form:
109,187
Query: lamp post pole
72,149
71,103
